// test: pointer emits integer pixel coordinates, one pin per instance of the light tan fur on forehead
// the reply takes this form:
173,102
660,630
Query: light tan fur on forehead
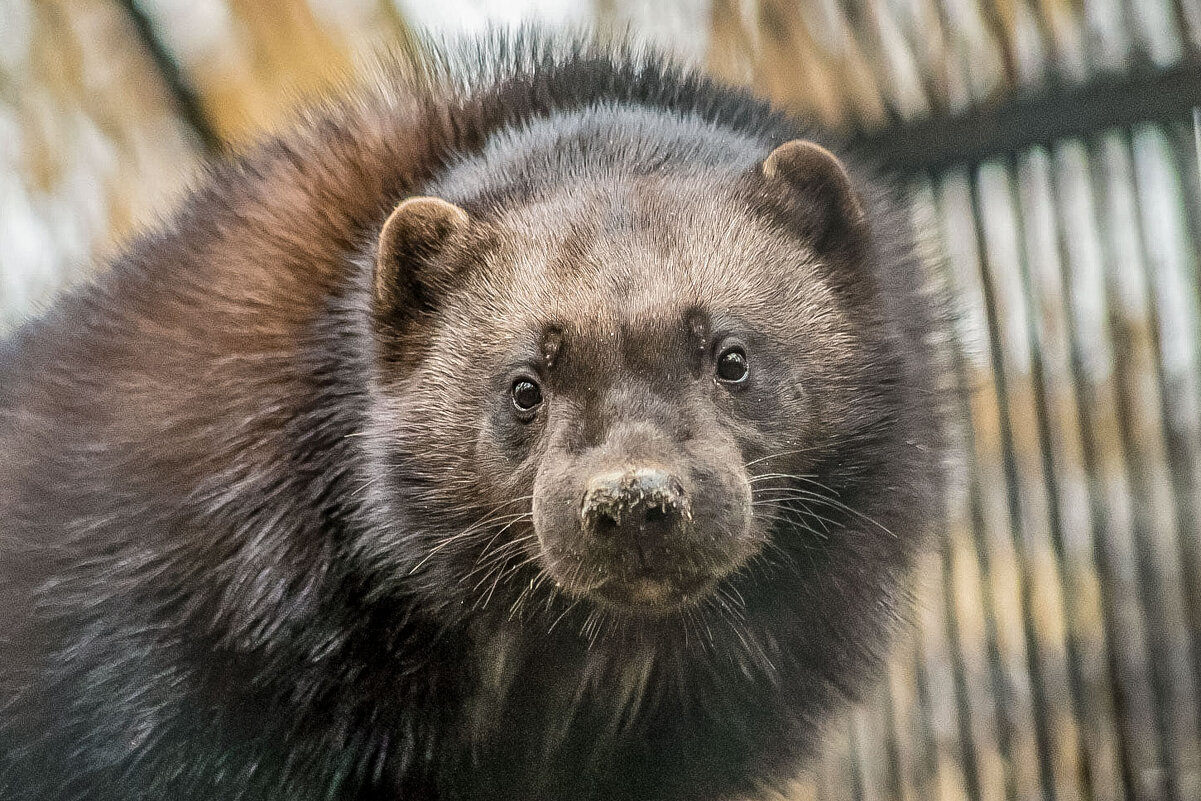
643,252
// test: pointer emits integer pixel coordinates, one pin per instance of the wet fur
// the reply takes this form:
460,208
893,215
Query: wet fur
233,565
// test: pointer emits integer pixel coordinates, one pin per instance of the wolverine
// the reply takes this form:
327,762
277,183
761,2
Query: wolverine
537,420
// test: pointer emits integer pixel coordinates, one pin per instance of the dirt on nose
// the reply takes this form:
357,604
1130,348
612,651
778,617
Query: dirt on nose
641,497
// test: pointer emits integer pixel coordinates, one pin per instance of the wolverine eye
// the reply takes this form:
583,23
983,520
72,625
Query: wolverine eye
732,366
526,395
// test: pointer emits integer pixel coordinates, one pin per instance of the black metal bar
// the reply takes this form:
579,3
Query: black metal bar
1144,94
182,92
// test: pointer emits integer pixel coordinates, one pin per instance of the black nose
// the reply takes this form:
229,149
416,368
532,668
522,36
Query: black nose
643,503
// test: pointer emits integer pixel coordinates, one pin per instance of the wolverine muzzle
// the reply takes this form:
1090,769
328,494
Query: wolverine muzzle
641,505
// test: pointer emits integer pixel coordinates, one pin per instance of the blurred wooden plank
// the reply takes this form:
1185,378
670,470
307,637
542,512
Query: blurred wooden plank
922,32
1189,15
682,25
804,788
1109,42
884,48
771,49
1063,25
902,732
977,57
1094,448
1184,439
1129,406
1002,574
90,144
946,781
1156,34
835,37
968,594
1103,452
1017,374
253,61
187,104
836,780
1005,20
984,762
870,741
1171,315
730,54
807,57
1071,526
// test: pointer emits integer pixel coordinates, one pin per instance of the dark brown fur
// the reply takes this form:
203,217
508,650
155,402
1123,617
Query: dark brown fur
233,480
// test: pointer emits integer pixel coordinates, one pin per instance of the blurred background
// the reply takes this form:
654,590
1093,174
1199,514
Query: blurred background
1050,151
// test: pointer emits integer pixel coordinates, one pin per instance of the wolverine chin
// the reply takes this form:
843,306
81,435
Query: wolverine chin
653,595
644,590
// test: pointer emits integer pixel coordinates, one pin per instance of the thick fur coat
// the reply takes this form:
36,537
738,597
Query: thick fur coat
266,531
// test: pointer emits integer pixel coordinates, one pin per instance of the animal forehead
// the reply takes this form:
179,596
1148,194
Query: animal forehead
630,259
644,246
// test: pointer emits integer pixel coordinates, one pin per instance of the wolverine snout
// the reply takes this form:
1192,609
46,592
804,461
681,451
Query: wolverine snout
644,505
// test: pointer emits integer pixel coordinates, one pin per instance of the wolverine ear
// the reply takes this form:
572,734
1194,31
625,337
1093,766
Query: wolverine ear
417,231
818,185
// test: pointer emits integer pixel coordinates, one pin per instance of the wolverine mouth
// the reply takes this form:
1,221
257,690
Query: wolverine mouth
652,593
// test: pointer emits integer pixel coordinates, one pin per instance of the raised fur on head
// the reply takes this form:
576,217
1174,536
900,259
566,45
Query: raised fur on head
281,516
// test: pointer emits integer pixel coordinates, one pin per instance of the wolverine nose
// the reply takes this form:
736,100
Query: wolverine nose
644,503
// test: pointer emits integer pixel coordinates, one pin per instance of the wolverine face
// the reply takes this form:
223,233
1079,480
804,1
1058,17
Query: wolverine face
640,497
619,392
677,354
